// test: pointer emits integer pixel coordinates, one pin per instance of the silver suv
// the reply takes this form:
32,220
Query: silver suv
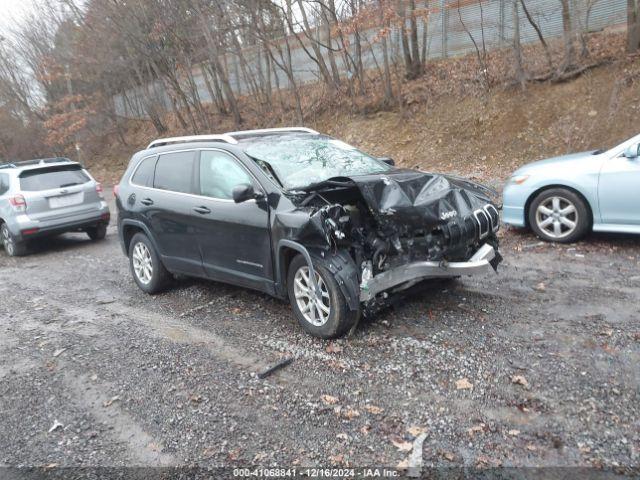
46,197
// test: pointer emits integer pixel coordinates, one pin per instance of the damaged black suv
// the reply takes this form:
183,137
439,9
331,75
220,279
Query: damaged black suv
302,216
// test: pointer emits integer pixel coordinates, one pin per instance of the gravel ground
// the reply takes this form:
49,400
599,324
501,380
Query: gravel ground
535,366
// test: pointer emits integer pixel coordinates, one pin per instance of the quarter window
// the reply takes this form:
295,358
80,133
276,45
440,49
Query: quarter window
174,171
144,173
219,173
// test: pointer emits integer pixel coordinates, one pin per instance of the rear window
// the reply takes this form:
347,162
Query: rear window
52,177
143,175
174,171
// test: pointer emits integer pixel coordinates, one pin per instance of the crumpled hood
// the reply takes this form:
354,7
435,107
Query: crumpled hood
418,199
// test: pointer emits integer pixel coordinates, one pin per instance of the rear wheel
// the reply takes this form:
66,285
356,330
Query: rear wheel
146,267
12,247
326,315
98,232
559,215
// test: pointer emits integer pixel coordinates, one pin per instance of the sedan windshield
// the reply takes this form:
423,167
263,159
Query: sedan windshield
302,160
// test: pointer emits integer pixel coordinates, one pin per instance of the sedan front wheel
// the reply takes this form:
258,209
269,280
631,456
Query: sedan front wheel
559,215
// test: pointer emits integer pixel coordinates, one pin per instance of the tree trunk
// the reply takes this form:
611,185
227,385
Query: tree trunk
517,49
633,26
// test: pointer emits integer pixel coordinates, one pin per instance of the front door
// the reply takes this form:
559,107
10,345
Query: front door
234,237
619,191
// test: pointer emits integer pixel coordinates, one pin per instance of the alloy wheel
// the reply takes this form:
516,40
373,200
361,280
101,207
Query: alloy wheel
557,217
315,309
142,263
7,241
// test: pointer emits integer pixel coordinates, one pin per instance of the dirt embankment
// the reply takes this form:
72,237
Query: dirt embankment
448,126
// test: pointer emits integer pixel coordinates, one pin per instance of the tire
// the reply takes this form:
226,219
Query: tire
98,232
12,247
340,318
559,215
153,279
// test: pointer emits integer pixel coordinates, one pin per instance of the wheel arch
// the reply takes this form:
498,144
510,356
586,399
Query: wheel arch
574,190
129,228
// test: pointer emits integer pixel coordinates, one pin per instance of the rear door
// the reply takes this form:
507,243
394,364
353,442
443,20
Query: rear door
168,210
57,192
234,237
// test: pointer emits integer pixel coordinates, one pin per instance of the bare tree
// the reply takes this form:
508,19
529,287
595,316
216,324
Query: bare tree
633,26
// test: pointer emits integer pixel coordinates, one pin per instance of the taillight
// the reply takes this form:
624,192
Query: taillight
116,189
99,190
18,203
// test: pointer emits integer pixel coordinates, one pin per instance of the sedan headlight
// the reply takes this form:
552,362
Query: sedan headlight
519,179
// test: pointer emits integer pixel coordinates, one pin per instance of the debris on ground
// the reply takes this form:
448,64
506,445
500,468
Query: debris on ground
281,364
56,425
520,380
464,384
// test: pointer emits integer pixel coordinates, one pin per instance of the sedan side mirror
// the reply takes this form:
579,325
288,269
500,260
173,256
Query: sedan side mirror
632,151
388,161
243,192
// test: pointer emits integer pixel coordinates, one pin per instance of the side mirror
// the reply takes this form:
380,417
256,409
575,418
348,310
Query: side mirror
388,161
632,151
243,192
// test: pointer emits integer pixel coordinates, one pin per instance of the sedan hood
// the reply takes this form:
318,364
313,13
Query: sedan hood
562,160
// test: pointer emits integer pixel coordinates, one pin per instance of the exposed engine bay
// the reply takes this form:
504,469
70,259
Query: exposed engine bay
387,221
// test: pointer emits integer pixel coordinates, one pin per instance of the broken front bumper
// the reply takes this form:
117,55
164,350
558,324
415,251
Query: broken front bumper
412,273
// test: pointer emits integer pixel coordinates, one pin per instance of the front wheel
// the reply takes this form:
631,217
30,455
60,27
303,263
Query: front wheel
146,267
324,315
12,247
559,215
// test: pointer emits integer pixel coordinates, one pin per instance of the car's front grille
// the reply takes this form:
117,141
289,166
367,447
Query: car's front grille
487,219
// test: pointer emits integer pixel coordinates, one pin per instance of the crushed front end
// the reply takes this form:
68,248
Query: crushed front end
399,228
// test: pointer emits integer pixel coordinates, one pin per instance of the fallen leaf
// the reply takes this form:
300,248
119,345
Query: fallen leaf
520,380
463,384
336,459
365,429
532,448
195,398
342,436
350,413
540,287
110,402
449,456
402,445
328,399
415,430
403,465
373,409
476,429
514,433
333,348
607,333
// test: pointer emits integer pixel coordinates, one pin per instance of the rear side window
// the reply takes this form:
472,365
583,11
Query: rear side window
143,175
4,183
52,177
174,171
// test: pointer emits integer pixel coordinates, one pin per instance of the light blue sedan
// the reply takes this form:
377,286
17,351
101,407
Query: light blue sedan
563,198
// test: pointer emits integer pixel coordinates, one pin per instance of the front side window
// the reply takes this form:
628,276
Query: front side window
301,160
143,175
219,173
52,177
174,172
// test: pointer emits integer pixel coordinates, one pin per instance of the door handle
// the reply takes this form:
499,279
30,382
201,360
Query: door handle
202,210
146,201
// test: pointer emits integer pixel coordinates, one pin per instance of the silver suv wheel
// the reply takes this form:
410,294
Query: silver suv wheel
7,241
142,263
315,309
